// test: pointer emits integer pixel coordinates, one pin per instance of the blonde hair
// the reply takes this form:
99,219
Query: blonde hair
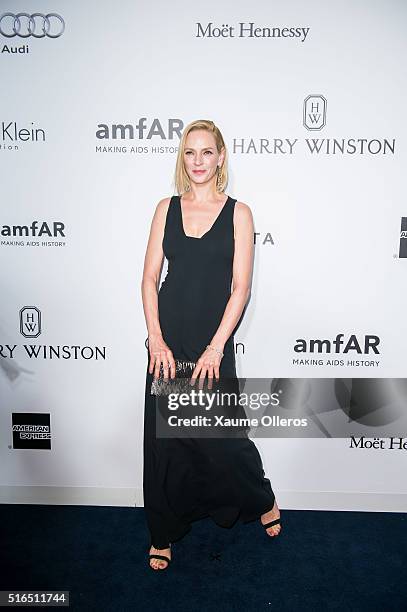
181,178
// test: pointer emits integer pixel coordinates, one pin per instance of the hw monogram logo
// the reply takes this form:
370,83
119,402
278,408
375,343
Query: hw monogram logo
314,112
30,322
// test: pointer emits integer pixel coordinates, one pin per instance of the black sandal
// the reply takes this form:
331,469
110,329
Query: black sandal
270,524
161,557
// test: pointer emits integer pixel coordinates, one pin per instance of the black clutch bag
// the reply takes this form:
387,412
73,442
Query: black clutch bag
179,384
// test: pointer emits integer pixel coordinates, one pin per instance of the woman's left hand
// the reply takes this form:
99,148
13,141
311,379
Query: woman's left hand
208,363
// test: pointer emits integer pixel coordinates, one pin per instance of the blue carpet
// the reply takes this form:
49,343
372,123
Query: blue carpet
321,560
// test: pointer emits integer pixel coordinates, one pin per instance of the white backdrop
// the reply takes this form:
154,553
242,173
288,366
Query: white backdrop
322,175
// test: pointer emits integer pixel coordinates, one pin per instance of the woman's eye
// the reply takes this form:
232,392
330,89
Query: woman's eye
210,152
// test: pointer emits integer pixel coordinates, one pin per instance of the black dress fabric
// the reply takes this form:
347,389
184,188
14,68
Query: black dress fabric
186,479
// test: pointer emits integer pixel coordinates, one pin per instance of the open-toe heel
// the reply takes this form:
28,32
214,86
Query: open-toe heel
160,557
271,524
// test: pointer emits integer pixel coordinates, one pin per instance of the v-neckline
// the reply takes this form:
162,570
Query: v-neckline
212,226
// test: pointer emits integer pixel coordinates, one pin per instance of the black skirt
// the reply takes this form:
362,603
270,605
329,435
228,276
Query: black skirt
187,479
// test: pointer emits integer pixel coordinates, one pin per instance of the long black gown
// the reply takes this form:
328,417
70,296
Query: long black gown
185,479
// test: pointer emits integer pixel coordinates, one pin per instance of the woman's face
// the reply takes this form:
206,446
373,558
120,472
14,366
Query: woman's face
201,156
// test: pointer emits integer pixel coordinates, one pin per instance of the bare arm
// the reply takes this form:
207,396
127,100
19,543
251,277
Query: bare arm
242,274
159,351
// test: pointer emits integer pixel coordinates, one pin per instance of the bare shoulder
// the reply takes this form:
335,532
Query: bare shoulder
243,213
162,206
160,212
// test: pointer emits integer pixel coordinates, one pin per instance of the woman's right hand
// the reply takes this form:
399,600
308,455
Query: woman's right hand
160,353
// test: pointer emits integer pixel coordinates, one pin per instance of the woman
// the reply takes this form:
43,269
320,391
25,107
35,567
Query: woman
208,241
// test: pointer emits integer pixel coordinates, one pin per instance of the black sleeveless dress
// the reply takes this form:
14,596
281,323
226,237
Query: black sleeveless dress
188,479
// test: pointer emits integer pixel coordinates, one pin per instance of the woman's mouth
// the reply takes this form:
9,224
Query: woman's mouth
198,171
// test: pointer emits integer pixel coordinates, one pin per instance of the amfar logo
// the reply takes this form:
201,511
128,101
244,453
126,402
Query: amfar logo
30,322
403,238
369,343
140,130
31,430
54,229
15,234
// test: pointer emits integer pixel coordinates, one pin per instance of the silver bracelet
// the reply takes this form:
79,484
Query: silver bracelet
215,349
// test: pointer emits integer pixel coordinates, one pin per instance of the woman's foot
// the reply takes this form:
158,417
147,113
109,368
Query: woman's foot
271,516
159,563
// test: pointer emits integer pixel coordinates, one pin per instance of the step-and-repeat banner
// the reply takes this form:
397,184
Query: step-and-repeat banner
311,101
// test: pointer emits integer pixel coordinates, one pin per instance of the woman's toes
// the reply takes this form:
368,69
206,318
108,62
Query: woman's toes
158,564
275,533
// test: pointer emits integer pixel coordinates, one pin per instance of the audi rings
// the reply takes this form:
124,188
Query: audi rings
15,27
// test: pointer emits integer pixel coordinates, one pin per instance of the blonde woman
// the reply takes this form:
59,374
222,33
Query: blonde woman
207,238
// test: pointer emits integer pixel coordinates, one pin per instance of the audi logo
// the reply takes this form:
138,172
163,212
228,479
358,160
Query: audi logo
37,25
